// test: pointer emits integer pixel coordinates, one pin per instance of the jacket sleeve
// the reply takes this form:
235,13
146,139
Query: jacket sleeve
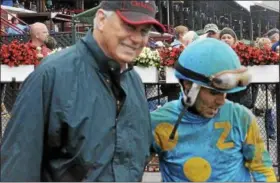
256,156
22,146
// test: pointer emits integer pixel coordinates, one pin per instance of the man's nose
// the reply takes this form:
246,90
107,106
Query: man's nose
137,37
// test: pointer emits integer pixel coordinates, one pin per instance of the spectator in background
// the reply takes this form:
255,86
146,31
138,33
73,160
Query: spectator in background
189,37
273,35
264,43
39,34
172,90
180,32
50,43
245,97
13,31
275,47
211,31
228,36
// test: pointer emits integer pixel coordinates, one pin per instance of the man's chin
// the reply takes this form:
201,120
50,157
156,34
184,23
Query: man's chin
126,59
209,115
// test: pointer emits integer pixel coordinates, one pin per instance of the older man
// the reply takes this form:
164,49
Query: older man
82,115
39,34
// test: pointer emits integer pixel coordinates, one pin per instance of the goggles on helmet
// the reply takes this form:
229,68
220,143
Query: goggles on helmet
222,81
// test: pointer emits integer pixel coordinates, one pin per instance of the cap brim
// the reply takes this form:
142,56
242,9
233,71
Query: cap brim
214,30
136,18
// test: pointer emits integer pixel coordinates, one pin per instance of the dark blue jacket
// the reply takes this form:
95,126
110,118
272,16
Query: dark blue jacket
65,126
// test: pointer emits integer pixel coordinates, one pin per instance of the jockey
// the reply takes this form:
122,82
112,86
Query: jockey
202,136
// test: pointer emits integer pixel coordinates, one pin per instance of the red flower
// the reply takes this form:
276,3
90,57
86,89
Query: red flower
254,56
16,53
170,55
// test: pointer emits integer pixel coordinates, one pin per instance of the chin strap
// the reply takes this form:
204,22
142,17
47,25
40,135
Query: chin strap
189,98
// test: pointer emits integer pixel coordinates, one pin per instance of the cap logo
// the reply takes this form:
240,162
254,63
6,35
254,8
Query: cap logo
143,4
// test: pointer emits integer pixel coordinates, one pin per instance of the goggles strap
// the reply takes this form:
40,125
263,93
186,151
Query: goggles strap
190,100
191,74
174,130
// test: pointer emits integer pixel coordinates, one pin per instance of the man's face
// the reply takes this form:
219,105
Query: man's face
227,38
182,35
123,42
208,101
267,44
42,33
215,35
275,38
16,21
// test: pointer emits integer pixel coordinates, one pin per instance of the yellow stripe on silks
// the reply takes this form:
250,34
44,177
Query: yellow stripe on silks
253,137
162,133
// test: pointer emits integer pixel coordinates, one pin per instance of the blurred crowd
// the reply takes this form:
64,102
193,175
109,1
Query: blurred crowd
183,37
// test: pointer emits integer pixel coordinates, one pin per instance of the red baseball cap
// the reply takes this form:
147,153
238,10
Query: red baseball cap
134,12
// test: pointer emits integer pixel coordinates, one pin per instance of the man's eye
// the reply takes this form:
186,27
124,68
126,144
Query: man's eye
145,32
129,27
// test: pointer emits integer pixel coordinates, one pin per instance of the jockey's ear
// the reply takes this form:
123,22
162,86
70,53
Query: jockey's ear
185,84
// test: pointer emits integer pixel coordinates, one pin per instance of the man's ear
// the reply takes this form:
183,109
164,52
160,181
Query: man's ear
181,36
187,84
100,19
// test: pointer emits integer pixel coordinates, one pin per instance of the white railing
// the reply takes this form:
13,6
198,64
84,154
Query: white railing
260,74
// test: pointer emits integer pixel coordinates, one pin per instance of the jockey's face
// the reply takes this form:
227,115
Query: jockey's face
208,101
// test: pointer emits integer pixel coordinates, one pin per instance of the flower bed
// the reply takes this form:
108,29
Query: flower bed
151,60
17,53
249,55
148,58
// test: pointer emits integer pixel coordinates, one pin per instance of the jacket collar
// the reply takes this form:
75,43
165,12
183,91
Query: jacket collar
104,63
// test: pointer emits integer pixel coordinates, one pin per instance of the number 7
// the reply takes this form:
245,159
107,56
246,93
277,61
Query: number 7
221,144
